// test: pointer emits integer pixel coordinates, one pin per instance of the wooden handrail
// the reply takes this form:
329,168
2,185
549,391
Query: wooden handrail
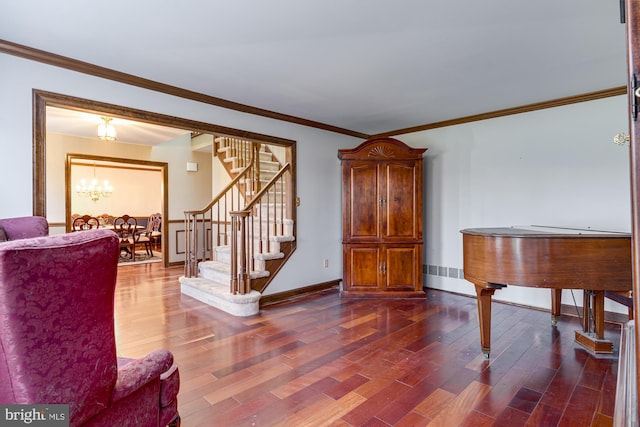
243,236
236,220
270,184
195,217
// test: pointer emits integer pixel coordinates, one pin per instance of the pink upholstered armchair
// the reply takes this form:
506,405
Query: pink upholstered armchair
57,342
23,227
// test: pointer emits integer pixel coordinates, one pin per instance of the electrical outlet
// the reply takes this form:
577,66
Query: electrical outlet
326,263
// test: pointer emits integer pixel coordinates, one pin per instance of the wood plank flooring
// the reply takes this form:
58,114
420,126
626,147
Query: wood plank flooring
323,361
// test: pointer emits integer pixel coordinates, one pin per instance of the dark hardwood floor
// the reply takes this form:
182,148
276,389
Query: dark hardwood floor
321,360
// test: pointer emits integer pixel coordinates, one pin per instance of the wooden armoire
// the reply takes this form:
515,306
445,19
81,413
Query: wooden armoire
382,220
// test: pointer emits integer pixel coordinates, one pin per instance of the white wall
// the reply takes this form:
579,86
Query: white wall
555,167
136,192
120,179
319,216
129,196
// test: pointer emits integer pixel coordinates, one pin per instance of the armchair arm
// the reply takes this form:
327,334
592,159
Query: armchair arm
135,373
142,233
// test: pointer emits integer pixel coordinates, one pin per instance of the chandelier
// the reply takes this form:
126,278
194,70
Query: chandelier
92,189
106,131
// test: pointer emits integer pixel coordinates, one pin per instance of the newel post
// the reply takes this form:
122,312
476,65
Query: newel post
240,281
191,243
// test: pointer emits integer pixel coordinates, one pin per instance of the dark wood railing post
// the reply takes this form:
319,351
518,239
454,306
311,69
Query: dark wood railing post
191,244
240,279
257,184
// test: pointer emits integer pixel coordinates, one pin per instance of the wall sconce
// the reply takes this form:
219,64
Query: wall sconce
620,138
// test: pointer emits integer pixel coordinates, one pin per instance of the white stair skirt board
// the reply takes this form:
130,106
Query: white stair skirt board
217,295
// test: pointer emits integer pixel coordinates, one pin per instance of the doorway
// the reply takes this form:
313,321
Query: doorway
193,189
136,188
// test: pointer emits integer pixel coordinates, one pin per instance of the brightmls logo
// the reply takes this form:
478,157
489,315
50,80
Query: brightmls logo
34,415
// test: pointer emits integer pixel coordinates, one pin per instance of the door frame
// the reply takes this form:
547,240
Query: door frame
631,15
161,167
42,99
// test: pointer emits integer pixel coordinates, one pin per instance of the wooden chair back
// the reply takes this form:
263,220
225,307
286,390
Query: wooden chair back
125,226
85,222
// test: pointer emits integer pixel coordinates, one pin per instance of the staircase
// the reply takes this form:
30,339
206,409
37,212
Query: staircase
239,241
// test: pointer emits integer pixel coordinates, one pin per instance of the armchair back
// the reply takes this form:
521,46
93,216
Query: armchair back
57,342
23,227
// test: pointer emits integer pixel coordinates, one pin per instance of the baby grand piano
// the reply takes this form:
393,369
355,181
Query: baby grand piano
548,257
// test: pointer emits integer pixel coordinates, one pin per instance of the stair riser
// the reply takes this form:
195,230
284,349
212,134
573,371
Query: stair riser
266,165
225,255
269,234
215,275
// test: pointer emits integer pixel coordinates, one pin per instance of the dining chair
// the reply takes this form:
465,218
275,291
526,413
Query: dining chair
106,219
143,237
126,228
85,222
154,230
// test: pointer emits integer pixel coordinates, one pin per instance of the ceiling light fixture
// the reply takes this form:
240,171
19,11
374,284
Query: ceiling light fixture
93,190
106,131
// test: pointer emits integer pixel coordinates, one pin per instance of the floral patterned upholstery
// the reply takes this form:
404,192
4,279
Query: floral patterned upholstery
24,227
57,342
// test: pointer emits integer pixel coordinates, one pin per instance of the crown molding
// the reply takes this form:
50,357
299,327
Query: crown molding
118,76
110,74
591,96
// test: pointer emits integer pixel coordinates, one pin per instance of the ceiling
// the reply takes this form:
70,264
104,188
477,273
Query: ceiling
85,125
368,66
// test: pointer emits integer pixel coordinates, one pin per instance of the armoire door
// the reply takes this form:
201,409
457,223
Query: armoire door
363,268
402,201
402,269
362,199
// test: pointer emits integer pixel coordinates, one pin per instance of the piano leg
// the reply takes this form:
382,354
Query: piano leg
598,313
556,304
593,340
593,306
484,292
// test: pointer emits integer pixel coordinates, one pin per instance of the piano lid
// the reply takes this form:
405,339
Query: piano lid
543,231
